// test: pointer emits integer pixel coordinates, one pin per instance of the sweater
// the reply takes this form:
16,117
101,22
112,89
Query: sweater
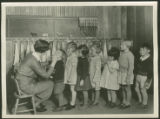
59,72
145,67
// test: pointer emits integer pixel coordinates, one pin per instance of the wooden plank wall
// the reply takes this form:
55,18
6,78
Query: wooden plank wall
140,25
55,11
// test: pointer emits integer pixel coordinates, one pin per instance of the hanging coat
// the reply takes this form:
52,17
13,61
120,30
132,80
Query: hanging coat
32,46
28,48
48,55
22,51
16,54
105,54
64,45
53,48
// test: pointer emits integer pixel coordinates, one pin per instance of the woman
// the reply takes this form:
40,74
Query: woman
33,78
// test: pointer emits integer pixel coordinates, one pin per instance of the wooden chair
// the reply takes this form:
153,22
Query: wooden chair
21,96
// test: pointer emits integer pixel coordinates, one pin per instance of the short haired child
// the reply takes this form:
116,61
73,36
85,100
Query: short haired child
126,76
144,74
58,78
109,79
95,72
70,76
83,81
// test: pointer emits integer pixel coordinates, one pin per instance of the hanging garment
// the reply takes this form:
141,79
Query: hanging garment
16,54
22,51
53,48
28,48
78,43
64,45
58,45
32,46
105,50
48,57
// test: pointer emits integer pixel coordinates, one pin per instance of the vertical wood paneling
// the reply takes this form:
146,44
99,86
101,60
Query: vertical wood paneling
148,13
55,11
123,22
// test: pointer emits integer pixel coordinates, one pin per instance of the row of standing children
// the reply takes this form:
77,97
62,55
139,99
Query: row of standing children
82,72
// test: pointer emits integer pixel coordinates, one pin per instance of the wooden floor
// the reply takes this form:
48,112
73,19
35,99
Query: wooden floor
101,109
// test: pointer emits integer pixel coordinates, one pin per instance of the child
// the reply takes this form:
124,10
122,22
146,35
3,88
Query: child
109,79
83,82
70,76
126,63
95,72
144,74
58,77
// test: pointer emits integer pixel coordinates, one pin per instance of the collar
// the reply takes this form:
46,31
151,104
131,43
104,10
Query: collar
144,58
35,54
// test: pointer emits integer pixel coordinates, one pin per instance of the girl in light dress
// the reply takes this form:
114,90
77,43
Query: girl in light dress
126,76
95,72
70,76
109,78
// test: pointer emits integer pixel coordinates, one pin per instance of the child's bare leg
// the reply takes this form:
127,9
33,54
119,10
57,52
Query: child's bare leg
97,94
109,95
93,95
129,94
74,94
123,95
137,89
85,95
61,99
144,96
114,96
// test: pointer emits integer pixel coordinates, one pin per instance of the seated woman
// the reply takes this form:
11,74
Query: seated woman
33,78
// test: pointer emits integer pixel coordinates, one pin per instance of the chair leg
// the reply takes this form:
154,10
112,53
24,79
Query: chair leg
34,106
16,106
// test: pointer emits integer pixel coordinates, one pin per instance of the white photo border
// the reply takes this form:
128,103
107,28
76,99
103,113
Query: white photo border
155,43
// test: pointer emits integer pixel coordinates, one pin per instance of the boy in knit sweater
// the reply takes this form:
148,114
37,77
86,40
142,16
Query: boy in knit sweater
144,74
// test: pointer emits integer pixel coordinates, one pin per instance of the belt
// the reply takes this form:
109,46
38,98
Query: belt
142,73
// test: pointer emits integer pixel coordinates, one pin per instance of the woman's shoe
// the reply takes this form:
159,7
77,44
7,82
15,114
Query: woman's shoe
39,109
58,109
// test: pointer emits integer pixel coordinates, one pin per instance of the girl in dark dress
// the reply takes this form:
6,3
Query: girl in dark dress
83,81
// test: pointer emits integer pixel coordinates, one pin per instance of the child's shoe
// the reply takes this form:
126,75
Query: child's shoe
94,104
85,106
126,106
69,107
144,106
112,105
108,103
121,105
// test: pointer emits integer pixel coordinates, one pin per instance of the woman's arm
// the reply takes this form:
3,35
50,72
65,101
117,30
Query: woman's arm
36,67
